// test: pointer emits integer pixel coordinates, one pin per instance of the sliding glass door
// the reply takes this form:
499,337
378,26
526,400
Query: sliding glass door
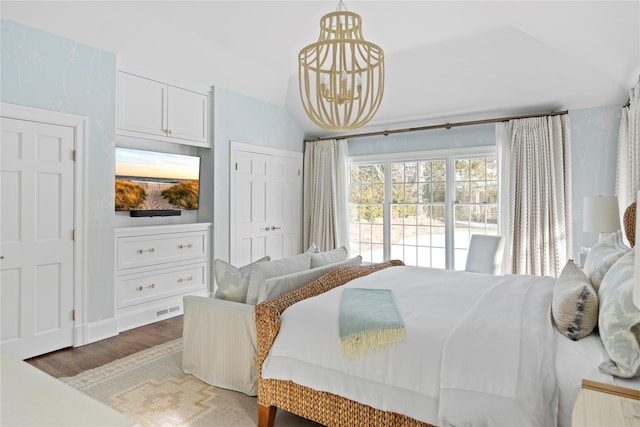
424,210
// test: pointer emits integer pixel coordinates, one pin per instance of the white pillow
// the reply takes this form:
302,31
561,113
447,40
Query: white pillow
603,255
619,320
575,303
280,285
313,249
233,282
328,257
271,269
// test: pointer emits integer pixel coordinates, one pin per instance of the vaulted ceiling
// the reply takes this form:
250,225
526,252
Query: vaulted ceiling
445,61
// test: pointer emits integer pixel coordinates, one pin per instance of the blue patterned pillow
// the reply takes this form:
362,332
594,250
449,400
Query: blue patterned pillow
233,282
603,255
619,320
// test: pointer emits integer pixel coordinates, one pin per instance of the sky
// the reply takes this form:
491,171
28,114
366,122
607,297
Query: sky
150,164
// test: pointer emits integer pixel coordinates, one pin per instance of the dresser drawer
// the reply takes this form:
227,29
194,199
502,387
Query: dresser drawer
138,288
139,251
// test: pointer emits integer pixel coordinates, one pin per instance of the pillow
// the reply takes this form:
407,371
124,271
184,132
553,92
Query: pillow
328,257
619,320
313,249
603,255
233,282
277,286
276,268
575,303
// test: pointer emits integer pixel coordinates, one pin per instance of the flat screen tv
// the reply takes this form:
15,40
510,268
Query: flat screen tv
150,183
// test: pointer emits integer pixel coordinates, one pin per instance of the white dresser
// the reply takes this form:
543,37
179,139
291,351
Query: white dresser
155,267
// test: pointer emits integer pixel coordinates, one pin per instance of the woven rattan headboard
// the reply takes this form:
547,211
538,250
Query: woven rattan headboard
629,220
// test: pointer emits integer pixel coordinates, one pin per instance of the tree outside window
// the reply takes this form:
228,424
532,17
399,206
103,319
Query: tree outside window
417,216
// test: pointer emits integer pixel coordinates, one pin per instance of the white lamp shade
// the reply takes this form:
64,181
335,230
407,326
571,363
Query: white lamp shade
636,271
601,214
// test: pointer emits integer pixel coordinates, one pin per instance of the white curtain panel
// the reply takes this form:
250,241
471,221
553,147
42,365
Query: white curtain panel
325,194
628,169
535,194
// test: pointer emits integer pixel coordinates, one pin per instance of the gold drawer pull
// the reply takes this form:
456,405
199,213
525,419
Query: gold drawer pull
140,288
141,251
180,280
190,245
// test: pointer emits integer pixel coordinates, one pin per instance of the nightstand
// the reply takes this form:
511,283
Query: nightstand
608,405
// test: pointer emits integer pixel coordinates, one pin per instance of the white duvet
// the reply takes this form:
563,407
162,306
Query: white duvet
479,349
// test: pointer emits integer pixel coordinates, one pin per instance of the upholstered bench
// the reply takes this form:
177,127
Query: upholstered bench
220,342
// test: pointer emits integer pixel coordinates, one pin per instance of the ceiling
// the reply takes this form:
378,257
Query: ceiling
445,61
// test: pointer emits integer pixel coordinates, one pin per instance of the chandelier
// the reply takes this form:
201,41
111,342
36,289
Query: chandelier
341,76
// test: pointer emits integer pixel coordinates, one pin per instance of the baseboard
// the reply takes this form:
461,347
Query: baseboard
100,330
145,314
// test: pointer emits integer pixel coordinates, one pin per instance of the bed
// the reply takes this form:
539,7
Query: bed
480,350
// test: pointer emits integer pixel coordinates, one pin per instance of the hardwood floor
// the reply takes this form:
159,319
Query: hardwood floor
71,361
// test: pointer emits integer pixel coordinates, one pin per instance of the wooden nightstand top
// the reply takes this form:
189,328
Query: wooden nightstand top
601,404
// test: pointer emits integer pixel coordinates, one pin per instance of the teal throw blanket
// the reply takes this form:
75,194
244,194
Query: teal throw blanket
369,319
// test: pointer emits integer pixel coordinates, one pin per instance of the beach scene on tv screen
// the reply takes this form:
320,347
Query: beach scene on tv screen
147,180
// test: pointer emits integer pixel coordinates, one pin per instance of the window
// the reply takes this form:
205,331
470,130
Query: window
418,212
366,205
422,211
476,203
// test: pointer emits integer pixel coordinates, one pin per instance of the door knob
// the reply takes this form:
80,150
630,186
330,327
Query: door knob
273,227
267,229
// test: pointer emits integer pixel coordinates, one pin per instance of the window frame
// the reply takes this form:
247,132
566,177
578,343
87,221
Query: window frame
449,155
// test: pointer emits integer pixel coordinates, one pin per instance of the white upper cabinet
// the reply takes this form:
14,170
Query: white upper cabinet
148,108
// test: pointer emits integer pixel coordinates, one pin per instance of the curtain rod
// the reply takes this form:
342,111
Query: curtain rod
441,126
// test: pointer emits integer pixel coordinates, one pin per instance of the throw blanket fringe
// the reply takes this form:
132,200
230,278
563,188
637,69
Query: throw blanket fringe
356,345
369,319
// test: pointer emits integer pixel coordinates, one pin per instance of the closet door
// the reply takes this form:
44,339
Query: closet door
36,237
265,209
284,213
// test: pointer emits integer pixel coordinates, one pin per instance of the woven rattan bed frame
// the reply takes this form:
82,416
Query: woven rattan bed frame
325,408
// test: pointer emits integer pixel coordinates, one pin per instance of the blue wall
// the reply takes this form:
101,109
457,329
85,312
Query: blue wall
594,137
436,139
53,73
243,119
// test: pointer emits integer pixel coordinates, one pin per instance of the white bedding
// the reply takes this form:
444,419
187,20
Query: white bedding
479,350
578,360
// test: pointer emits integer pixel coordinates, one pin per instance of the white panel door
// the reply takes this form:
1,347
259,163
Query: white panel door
249,212
36,237
265,212
284,207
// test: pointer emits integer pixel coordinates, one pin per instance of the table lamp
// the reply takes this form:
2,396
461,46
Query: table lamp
601,215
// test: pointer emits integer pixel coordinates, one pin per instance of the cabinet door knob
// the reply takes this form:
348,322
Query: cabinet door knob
273,227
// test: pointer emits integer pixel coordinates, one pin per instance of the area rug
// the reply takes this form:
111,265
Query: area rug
151,388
